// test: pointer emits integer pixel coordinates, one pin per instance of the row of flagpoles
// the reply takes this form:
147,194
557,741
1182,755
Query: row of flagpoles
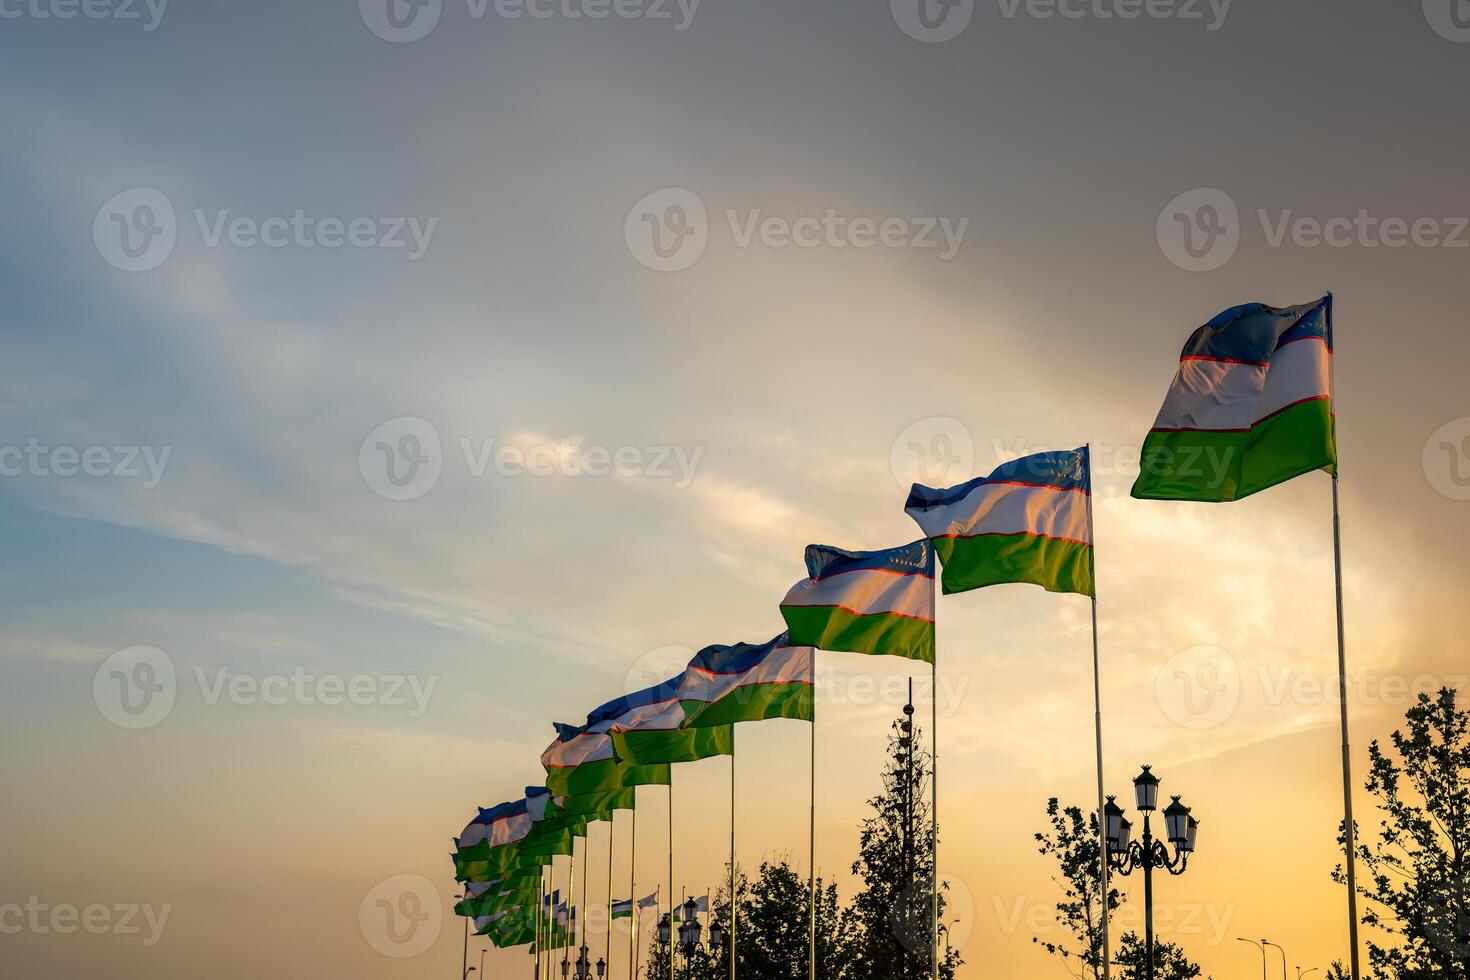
1250,406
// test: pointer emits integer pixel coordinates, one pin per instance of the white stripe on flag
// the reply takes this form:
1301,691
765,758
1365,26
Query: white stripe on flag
1221,396
1005,508
783,665
868,592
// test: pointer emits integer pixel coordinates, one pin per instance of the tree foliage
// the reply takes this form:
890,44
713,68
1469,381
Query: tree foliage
1415,874
882,934
1071,841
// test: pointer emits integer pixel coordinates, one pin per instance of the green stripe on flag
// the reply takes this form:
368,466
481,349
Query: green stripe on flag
995,559
754,702
680,745
597,806
828,628
1223,466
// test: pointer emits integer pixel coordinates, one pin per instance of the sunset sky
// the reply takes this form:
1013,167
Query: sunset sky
739,403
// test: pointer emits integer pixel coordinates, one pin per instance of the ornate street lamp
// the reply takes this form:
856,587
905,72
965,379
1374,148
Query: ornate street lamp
663,930
584,964
601,967
716,934
1126,855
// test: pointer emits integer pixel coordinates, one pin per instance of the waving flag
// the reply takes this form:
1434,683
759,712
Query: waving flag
749,682
622,910
648,728
1026,522
498,826
595,806
514,895
879,602
581,761
1250,407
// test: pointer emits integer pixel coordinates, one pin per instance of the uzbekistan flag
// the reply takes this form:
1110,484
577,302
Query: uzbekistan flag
581,761
1250,407
595,806
622,910
749,682
498,826
879,602
1026,522
648,729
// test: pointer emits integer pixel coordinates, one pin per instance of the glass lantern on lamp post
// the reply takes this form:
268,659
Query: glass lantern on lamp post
1126,855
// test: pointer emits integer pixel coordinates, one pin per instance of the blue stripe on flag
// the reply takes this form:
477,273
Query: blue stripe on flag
658,694
1066,470
737,658
823,561
501,812
1252,332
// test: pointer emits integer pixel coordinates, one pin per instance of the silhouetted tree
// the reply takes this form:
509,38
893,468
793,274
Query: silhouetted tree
1417,879
893,912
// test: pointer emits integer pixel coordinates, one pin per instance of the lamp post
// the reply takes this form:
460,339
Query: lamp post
584,964
1261,944
1126,856
1300,973
1283,957
665,935
689,930
601,967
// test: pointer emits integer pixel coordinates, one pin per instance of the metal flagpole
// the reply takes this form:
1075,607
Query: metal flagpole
572,887
464,970
582,932
1349,830
632,892
934,816
607,936
812,856
734,882
672,934
1102,847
